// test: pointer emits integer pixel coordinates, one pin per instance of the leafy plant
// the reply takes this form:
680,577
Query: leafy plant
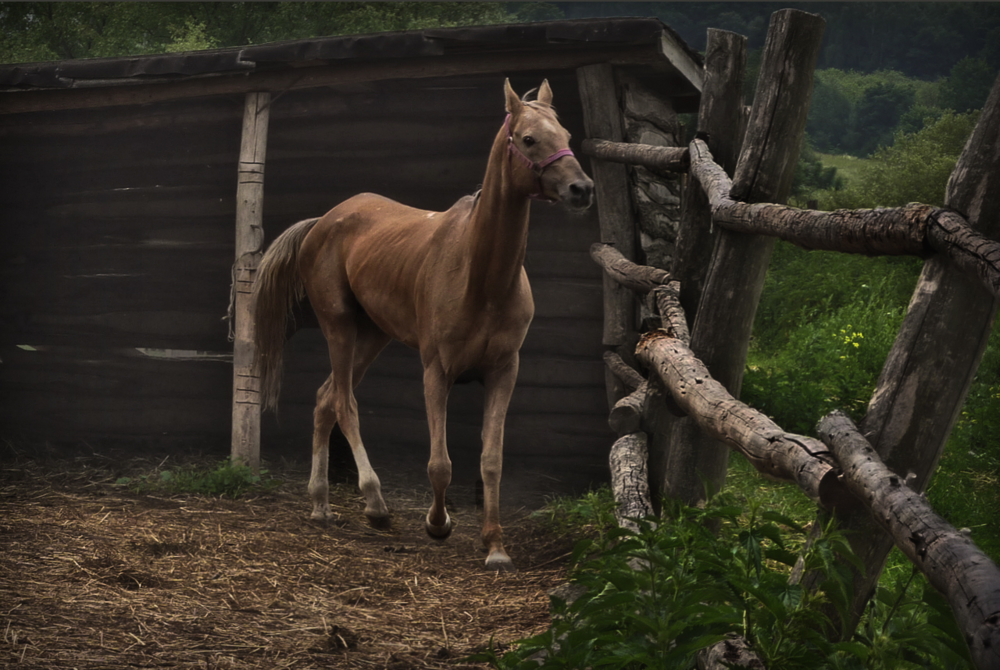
228,479
654,598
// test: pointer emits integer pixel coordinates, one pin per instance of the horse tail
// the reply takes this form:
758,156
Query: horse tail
276,291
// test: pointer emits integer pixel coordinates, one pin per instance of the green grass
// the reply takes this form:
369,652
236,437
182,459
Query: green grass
848,167
227,479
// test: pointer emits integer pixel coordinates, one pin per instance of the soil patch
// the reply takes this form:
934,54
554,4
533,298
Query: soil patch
95,576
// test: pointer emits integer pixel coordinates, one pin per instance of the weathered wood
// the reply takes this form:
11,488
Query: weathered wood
968,249
721,332
954,565
623,371
719,119
629,481
668,305
627,415
926,376
639,278
337,73
914,229
772,451
671,159
602,120
249,242
733,652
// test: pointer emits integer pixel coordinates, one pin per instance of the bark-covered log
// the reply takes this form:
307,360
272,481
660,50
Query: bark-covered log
602,119
722,122
668,306
926,376
623,371
733,652
671,159
976,254
953,564
720,334
629,479
772,451
626,416
639,278
915,229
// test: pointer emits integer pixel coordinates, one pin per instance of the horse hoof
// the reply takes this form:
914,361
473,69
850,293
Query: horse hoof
500,562
379,520
323,515
439,532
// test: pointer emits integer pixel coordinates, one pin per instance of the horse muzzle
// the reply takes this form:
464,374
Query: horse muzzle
577,194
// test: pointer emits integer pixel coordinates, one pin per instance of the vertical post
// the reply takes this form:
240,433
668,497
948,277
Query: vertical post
720,115
720,336
720,122
249,239
602,119
927,374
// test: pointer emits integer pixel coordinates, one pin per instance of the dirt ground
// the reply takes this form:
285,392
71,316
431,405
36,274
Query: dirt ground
93,575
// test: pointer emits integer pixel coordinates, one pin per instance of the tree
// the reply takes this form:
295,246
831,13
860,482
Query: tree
914,169
41,31
877,115
967,85
829,116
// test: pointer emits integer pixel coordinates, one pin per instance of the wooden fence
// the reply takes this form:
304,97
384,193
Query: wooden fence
676,427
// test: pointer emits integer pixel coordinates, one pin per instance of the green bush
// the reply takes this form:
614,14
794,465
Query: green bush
654,598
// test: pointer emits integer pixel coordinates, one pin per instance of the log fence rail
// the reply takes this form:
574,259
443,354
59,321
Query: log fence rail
845,471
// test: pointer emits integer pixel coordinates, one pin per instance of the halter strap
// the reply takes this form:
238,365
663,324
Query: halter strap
536,167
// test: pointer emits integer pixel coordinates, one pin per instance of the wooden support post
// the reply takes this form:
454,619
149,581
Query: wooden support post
249,240
720,116
721,333
720,121
602,119
927,374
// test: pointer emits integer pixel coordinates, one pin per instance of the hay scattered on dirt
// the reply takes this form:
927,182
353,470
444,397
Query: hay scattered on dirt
94,576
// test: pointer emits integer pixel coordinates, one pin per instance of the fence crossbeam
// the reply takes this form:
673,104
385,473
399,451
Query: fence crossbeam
954,565
669,159
915,229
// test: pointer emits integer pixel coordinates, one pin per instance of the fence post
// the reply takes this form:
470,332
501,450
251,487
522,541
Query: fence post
720,116
249,240
602,119
927,374
720,336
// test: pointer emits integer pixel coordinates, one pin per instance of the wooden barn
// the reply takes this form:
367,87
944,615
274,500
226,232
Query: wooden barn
118,193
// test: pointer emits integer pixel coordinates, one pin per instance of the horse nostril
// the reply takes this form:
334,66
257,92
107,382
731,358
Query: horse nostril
581,190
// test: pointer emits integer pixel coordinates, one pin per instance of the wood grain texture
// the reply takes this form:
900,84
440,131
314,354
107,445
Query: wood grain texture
720,332
953,564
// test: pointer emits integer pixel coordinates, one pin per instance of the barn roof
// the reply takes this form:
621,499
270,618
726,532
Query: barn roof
644,43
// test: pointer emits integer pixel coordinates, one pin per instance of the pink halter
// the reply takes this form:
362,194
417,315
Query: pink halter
536,168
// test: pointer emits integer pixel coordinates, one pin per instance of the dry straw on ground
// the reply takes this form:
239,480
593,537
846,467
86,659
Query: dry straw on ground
95,576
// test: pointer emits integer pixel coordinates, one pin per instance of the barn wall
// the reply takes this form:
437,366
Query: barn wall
118,228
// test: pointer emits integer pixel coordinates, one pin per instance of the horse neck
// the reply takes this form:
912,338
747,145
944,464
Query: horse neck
498,228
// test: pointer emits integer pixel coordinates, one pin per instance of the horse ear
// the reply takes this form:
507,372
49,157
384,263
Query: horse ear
513,102
545,93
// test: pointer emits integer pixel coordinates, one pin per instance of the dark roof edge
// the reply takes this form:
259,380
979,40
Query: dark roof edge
554,35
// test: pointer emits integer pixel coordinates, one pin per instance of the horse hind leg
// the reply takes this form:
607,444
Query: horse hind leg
324,419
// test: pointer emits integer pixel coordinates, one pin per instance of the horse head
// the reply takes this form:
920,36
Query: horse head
539,144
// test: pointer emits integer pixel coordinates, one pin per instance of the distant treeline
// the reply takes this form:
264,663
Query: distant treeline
919,39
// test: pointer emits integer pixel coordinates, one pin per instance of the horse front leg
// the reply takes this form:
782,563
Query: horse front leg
499,388
436,388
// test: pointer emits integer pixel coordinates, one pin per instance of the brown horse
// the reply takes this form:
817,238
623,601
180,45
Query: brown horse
449,284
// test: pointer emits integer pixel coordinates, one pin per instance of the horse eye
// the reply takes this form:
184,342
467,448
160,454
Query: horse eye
528,140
